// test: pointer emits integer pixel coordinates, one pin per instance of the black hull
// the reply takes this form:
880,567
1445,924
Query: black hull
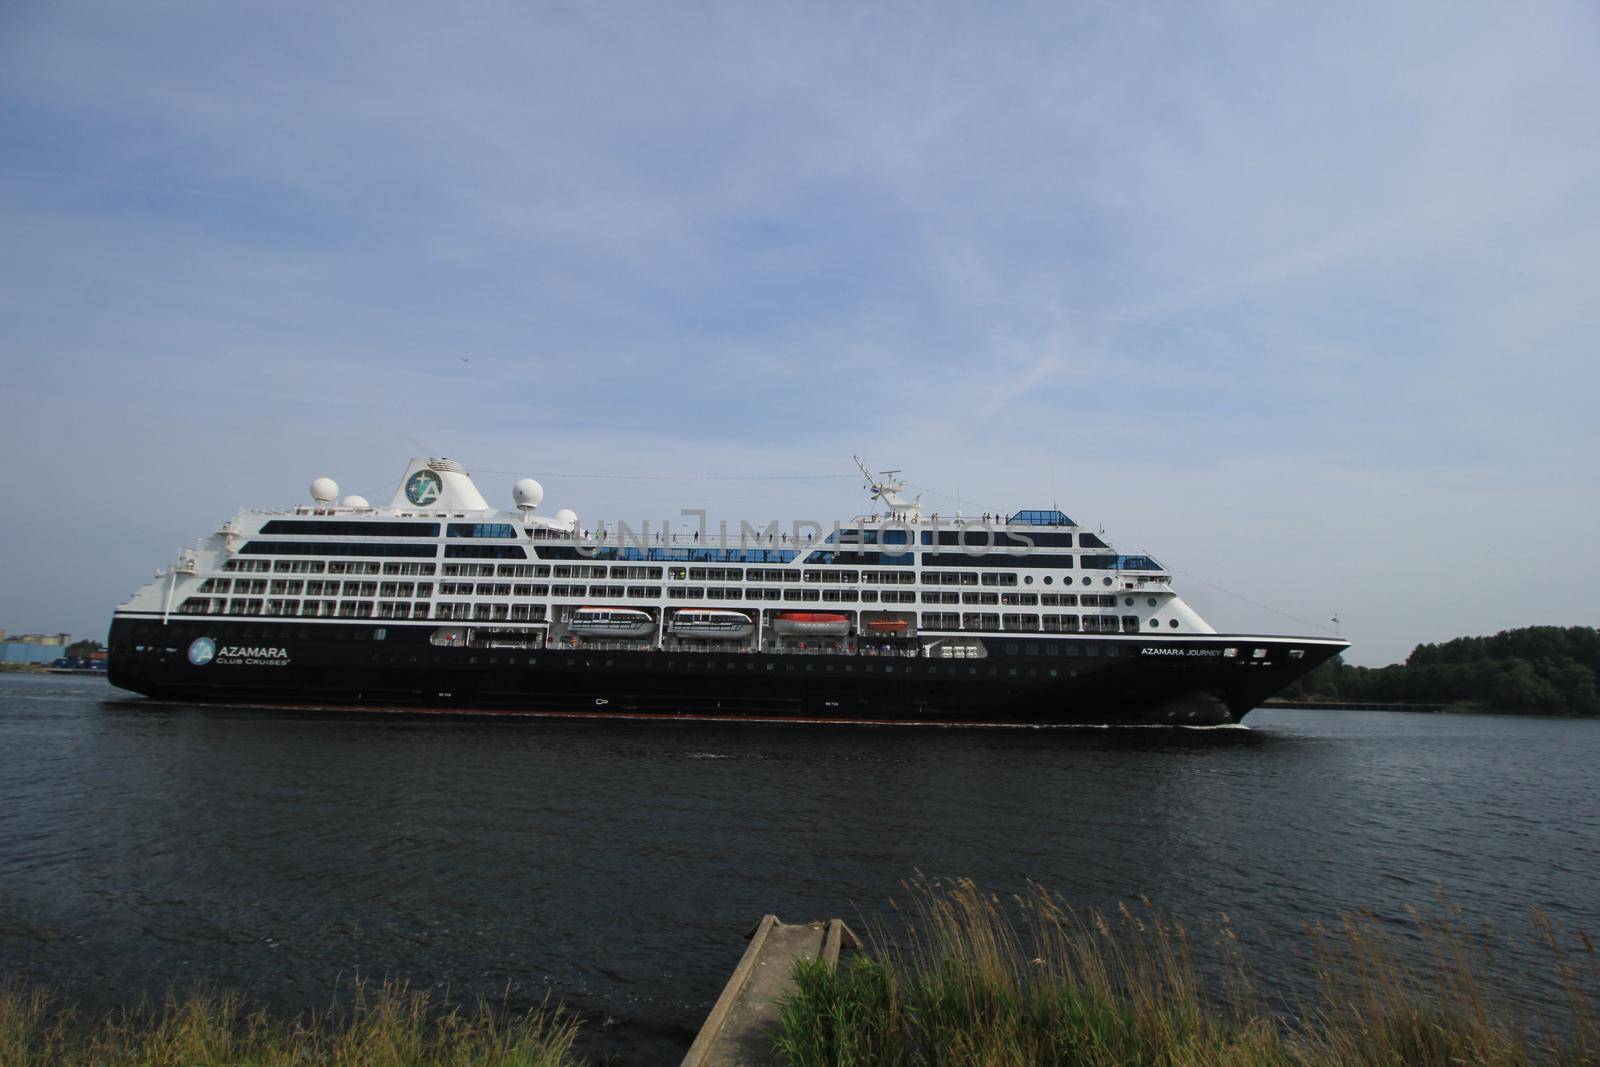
1025,679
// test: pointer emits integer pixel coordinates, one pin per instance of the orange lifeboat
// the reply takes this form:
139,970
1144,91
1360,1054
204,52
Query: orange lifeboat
888,626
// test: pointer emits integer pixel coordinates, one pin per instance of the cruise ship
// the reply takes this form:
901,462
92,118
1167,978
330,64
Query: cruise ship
439,602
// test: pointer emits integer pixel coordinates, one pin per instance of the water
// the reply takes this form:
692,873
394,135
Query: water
618,867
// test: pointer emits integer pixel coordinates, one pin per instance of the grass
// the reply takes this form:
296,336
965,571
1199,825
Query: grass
967,979
382,1026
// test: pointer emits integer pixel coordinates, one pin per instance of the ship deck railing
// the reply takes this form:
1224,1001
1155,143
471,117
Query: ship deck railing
703,648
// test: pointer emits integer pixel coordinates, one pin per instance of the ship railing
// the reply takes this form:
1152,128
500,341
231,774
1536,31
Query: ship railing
608,538
875,651
562,644
857,652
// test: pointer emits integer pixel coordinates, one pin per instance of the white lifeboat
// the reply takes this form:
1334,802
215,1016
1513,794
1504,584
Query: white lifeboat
710,623
611,622
812,624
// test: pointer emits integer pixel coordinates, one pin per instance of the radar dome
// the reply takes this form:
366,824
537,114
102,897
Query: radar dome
324,490
527,493
353,501
568,518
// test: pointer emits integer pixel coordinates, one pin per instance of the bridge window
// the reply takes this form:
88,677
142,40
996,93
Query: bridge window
481,529
1040,518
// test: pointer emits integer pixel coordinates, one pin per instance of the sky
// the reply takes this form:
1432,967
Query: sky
1304,300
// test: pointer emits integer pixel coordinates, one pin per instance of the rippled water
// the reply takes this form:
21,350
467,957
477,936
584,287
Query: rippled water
618,867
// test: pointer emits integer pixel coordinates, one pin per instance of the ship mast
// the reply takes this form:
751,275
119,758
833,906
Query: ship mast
886,487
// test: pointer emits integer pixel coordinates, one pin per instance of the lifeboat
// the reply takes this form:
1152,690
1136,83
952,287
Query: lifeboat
888,626
611,622
812,624
717,624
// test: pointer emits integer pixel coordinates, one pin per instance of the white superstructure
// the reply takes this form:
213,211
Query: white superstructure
439,551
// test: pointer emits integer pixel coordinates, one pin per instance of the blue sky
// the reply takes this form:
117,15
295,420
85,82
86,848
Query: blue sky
1302,301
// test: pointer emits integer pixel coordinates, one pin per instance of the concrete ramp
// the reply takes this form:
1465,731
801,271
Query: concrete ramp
741,1026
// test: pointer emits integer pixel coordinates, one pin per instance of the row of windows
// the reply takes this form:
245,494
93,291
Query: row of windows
485,552
981,537
481,529
1020,622
346,609
473,570
929,577
668,555
312,608
1120,563
336,528
309,608
570,571
770,574
337,548
492,612
1040,518
313,587
972,538
316,587
317,566
950,577
242,585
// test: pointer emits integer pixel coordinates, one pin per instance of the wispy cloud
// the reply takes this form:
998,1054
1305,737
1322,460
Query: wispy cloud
1300,300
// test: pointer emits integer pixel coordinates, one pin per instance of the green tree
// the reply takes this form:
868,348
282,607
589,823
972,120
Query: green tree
1520,688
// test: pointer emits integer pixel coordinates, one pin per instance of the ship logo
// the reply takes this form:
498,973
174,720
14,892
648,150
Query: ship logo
202,650
423,488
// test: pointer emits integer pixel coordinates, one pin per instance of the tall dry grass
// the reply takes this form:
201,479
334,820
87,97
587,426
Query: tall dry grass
968,979
388,1025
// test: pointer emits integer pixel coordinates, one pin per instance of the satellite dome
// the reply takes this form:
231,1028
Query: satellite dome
527,493
324,490
568,518
354,501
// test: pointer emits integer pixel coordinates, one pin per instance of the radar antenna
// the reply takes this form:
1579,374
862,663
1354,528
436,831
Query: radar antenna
886,487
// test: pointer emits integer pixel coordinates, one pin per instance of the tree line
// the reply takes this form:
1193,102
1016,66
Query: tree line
1548,670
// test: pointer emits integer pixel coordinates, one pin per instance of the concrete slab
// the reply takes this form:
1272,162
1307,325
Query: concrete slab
739,1030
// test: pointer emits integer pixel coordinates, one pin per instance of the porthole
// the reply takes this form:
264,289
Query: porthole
1107,581
1152,601
1154,623
1128,600
1087,579
1027,579
1172,623
1049,580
